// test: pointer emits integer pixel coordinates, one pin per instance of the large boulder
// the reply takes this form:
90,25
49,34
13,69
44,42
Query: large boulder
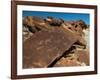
44,47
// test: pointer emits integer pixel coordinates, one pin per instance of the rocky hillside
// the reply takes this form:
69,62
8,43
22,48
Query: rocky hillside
51,42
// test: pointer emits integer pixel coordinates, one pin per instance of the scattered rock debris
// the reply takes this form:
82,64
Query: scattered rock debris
50,42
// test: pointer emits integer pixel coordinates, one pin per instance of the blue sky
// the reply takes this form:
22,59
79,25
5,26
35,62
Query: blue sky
66,16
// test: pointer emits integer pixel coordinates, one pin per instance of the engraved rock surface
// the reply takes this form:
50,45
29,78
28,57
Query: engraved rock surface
46,46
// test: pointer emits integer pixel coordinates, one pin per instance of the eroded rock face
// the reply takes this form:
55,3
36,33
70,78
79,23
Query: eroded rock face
54,42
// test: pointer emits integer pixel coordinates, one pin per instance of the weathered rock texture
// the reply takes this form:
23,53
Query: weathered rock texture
54,42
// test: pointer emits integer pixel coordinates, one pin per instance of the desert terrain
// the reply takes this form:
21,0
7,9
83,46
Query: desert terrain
54,42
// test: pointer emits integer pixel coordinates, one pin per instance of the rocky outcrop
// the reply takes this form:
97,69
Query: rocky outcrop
50,42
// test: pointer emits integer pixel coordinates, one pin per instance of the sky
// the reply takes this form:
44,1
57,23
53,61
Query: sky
66,16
